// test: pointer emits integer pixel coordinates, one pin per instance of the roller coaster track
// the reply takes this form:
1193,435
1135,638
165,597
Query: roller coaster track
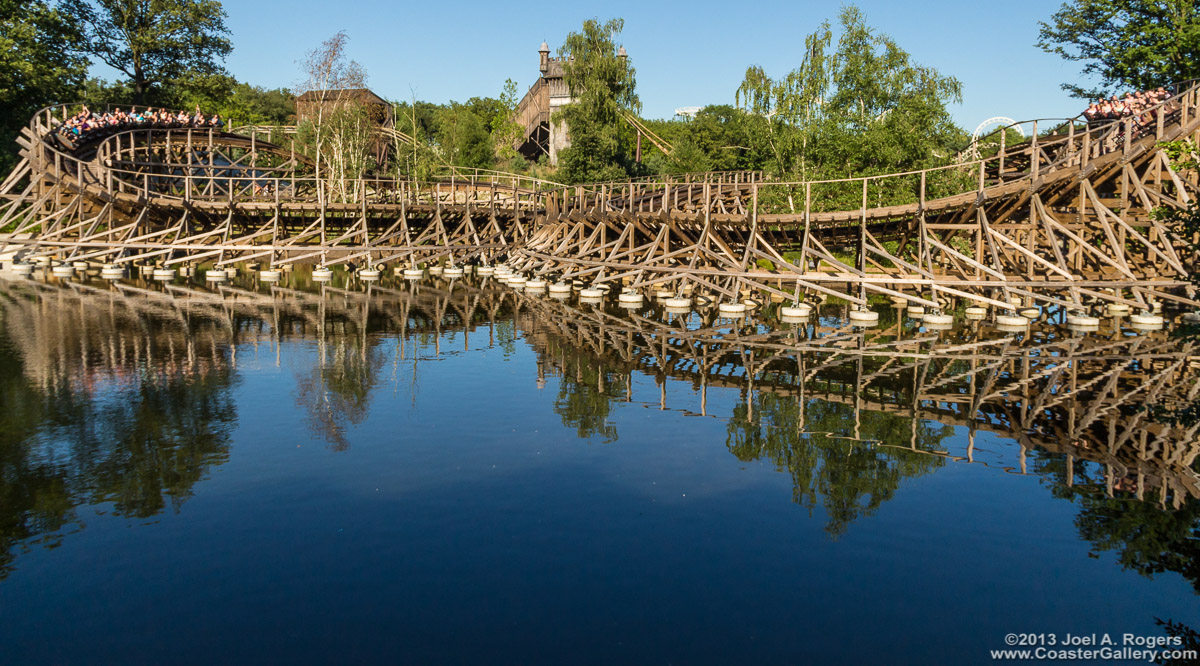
445,169
1062,219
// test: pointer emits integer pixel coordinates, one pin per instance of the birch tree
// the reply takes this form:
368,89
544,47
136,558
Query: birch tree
340,129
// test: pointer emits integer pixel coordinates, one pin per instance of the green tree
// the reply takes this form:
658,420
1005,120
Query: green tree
156,43
504,126
688,157
719,138
37,66
463,137
1137,44
249,104
338,131
864,108
792,106
415,159
725,133
602,85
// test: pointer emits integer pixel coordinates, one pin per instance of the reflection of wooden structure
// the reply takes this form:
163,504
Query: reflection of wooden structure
1079,397
1063,219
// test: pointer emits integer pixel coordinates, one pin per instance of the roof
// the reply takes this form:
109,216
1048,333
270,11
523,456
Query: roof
357,94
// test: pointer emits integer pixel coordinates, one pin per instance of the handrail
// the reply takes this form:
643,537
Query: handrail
1177,89
1045,153
1097,129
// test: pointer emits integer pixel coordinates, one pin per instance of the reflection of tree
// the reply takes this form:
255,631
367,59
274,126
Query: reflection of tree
1189,639
161,438
34,495
1147,537
337,391
586,391
822,445
140,442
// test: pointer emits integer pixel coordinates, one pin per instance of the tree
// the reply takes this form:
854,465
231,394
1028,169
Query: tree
252,104
418,158
864,108
725,133
339,129
1137,44
602,84
463,137
153,42
37,65
504,126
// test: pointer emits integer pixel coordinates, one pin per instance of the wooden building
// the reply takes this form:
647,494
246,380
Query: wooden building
309,104
540,134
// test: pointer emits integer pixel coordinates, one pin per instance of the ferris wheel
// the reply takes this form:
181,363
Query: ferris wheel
995,121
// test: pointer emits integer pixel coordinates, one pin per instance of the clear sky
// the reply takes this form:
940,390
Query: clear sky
686,54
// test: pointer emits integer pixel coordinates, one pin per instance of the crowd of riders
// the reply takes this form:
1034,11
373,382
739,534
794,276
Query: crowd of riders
87,124
1143,106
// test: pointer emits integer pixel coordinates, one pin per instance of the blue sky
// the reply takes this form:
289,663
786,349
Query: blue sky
686,54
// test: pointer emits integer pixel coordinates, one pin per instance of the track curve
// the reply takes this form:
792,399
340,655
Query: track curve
1062,219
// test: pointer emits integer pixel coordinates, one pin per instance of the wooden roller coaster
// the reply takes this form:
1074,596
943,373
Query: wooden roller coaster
1061,219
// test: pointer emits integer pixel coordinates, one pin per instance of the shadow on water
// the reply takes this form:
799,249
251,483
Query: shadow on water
121,395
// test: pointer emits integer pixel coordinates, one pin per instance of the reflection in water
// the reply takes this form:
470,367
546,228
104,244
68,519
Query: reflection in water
828,463
1083,397
122,395
104,403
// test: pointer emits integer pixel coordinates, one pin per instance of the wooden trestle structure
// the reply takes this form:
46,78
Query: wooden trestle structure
1078,396
1062,219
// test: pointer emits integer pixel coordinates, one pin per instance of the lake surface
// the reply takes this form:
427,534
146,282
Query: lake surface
460,473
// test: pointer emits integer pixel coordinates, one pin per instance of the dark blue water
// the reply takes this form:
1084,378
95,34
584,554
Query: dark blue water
469,475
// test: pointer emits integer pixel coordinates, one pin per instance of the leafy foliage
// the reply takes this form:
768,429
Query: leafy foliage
602,85
38,65
863,109
248,104
156,43
337,130
503,126
1131,44
463,137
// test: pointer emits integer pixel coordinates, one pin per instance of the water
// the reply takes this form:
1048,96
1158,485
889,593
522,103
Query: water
459,473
